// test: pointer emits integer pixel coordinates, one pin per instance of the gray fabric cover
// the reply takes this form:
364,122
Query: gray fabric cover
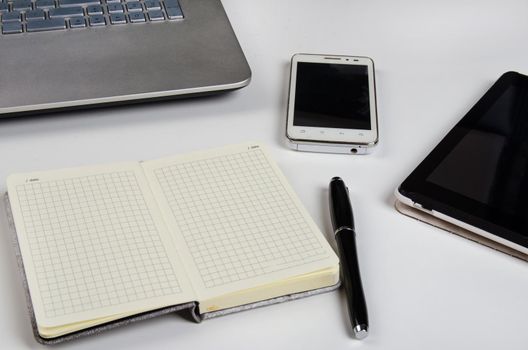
424,217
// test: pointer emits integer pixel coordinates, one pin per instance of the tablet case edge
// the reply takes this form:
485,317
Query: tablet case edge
447,226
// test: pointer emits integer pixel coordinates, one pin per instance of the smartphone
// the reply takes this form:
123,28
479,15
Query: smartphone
332,104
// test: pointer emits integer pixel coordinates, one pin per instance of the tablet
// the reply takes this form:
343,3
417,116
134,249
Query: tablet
477,176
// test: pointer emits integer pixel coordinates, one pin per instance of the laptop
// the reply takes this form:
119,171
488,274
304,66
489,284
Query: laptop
69,54
475,181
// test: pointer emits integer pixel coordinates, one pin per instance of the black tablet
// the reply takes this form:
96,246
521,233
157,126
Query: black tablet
477,177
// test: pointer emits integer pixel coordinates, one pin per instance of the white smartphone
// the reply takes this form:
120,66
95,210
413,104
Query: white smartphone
332,104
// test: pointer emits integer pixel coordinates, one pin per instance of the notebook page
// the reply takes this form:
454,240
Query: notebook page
239,220
94,244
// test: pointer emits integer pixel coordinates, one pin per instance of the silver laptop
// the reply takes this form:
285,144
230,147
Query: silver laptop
65,54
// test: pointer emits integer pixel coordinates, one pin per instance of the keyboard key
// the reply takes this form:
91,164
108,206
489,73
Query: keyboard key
39,25
3,7
174,12
44,4
77,22
134,6
136,17
94,10
156,15
112,1
66,12
115,8
172,4
97,20
11,16
35,14
12,28
21,5
152,5
70,3
117,18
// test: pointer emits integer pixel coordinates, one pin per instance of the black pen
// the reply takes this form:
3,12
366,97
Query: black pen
345,235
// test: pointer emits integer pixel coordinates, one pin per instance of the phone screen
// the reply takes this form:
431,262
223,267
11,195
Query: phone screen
332,96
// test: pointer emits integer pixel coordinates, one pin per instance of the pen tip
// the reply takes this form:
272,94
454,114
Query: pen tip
361,331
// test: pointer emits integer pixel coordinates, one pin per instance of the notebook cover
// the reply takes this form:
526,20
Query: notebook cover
447,226
191,308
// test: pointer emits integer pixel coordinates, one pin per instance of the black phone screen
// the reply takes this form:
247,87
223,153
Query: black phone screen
332,96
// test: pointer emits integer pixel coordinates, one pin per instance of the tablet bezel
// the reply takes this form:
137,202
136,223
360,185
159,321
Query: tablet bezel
435,198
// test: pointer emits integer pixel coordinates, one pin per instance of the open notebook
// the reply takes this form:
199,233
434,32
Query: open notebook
221,228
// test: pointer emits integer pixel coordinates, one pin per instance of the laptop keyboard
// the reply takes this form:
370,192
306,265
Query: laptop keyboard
21,16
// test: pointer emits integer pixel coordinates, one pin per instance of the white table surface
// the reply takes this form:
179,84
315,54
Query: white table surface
425,288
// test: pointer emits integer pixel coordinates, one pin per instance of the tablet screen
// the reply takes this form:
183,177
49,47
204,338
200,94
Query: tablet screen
479,172
490,163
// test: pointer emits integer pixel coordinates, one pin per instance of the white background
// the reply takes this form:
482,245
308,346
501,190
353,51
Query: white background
425,288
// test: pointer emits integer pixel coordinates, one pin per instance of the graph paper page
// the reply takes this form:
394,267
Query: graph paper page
94,244
241,224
